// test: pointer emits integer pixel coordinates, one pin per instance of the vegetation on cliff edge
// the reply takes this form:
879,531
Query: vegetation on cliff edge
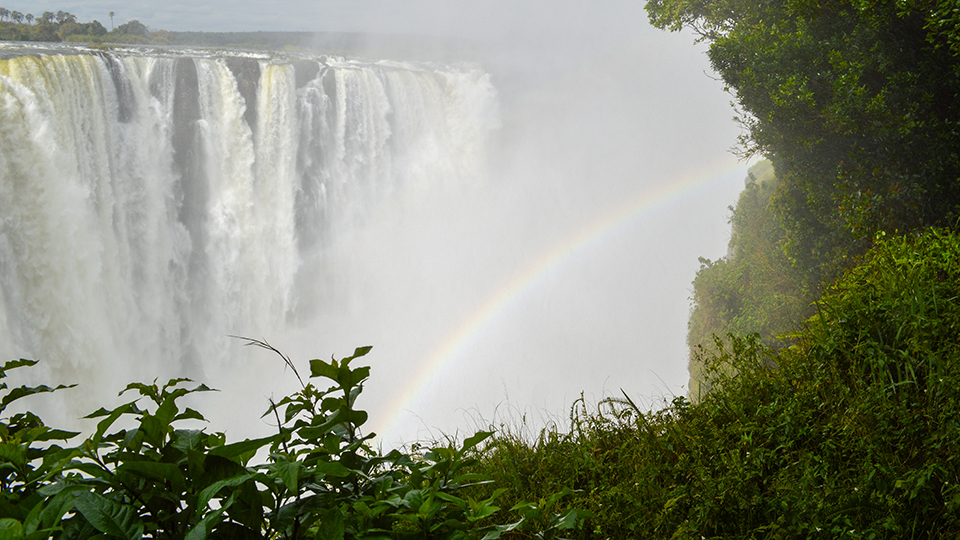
851,432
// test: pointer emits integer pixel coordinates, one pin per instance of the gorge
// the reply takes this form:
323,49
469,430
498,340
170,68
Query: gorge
157,202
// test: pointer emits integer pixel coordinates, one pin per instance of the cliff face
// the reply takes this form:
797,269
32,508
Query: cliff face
754,289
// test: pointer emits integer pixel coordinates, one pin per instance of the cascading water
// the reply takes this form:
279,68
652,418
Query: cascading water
152,204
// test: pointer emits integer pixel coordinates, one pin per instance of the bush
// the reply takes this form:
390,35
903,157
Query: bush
321,478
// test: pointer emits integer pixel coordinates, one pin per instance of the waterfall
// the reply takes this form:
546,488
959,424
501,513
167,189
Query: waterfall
152,204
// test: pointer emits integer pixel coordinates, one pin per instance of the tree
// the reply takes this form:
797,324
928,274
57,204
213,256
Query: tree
754,289
16,16
854,102
95,29
29,17
111,20
133,28
46,17
62,17
4,13
70,29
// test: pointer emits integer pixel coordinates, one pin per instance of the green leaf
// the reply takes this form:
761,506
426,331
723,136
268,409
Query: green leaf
105,424
320,368
55,435
327,468
331,525
61,500
10,529
359,351
162,472
202,529
452,499
413,499
173,383
13,364
188,439
189,414
243,448
13,453
289,473
168,409
481,510
235,531
211,491
500,529
98,413
153,430
90,468
478,438
570,518
331,403
148,390
108,516
24,391
356,376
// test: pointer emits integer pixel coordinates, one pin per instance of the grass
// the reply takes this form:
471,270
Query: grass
853,432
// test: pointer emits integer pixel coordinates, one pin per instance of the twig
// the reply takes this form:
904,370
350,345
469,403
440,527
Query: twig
264,345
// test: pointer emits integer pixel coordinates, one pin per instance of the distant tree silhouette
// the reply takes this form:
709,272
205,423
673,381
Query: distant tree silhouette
133,28
95,28
64,17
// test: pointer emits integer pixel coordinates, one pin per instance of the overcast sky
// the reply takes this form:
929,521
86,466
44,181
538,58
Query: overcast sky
466,18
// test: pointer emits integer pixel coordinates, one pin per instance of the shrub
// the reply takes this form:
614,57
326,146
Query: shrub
321,479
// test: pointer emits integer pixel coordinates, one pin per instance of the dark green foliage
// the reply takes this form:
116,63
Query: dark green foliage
321,479
856,104
29,462
852,432
155,479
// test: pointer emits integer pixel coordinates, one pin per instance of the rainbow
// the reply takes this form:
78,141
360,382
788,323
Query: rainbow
513,292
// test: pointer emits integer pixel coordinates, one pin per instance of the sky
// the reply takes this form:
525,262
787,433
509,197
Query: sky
570,274
461,18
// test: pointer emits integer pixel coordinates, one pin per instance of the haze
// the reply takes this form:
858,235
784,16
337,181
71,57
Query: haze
500,302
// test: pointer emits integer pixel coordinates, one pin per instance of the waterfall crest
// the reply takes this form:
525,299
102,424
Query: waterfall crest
153,204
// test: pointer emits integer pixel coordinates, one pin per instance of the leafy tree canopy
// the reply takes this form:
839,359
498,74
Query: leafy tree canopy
854,101
133,28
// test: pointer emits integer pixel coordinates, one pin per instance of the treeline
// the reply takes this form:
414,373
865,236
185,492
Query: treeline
754,289
855,104
63,26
